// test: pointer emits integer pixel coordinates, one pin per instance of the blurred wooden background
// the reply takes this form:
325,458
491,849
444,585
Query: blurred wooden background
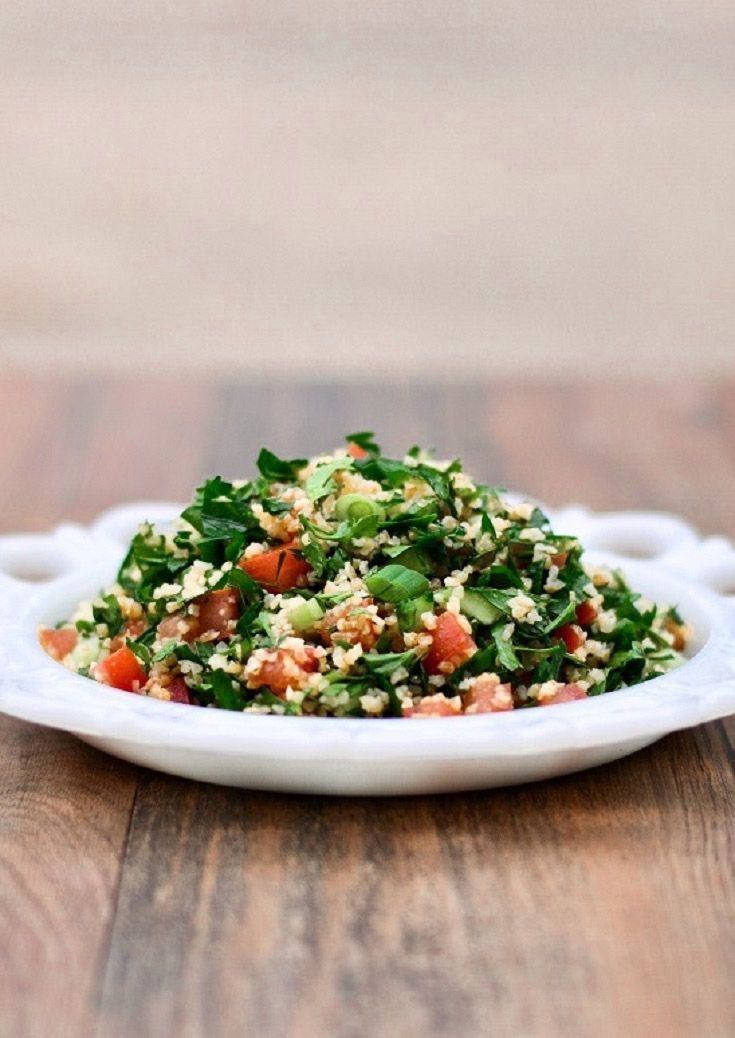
325,187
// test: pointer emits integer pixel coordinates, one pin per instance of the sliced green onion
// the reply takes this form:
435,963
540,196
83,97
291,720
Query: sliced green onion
396,583
357,506
305,615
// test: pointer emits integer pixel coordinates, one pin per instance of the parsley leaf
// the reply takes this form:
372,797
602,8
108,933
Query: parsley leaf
321,482
276,469
506,655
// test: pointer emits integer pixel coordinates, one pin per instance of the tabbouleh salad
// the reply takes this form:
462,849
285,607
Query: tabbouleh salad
364,586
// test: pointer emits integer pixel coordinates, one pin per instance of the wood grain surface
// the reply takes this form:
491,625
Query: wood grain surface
133,903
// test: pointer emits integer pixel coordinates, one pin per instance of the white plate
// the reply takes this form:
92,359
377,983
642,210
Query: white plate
362,756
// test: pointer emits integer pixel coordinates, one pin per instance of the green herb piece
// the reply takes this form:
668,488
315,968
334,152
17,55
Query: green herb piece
567,614
221,689
321,482
412,557
386,663
396,583
276,469
409,612
506,655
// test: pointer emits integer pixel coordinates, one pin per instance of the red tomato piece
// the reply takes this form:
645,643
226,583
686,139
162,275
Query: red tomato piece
179,691
179,627
488,695
219,611
133,629
560,559
58,642
279,569
356,451
283,669
571,635
433,706
565,695
121,669
451,646
586,613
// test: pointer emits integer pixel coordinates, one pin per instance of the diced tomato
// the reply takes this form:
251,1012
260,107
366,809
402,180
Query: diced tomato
219,611
586,613
283,669
133,629
58,642
560,559
451,646
571,635
179,691
279,569
567,694
356,451
433,706
488,695
121,669
179,628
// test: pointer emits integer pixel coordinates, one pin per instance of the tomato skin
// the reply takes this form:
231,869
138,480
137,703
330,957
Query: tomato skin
133,629
356,451
279,569
488,695
121,669
560,559
571,635
282,670
451,646
586,613
219,611
433,706
180,628
58,642
568,694
179,691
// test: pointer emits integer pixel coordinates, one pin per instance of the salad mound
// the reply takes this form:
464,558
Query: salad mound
359,585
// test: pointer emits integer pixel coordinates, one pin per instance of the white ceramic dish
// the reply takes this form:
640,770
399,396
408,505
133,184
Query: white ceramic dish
362,756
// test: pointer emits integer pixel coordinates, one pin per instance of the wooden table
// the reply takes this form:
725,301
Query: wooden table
132,903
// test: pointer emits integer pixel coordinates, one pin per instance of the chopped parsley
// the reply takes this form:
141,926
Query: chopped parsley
360,585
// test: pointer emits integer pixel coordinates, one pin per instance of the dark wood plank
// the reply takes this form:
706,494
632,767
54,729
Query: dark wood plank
64,812
67,450
563,908
600,903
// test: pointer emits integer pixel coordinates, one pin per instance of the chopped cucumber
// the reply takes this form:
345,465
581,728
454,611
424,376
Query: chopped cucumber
86,651
305,615
476,606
